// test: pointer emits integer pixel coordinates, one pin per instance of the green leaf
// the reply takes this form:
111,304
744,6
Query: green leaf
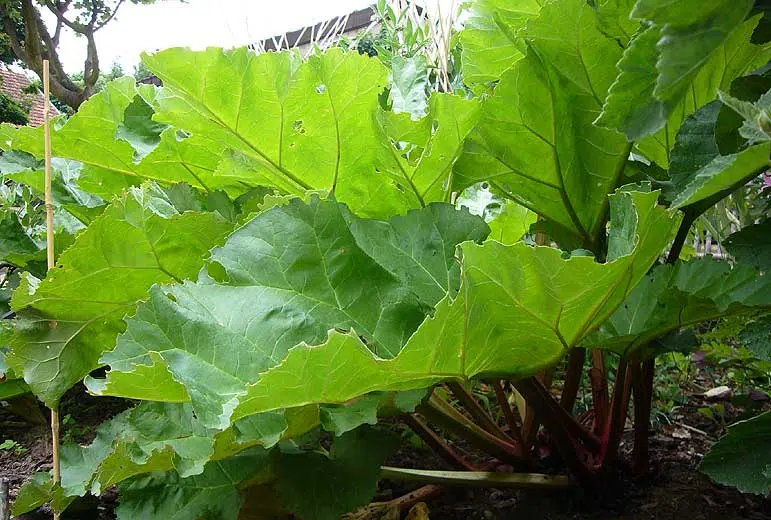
698,171
419,155
313,485
214,494
519,310
16,247
721,176
674,297
160,437
112,130
66,321
299,125
491,37
409,85
138,128
687,45
630,106
757,118
36,492
339,419
614,20
536,141
736,56
752,245
742,457
287,276
512,223
10,385
756,337
419,248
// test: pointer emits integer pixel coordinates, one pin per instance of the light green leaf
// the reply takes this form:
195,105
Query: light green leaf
299,126
614,19
66,321
110,133
536,141
409,85
630,106
138,128
419,155
339,419
10,385
512,223
742,457
491,37
519,310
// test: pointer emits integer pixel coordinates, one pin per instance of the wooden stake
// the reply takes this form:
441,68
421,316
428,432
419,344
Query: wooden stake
50,252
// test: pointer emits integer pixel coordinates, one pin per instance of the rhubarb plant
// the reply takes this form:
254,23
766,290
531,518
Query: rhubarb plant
271,258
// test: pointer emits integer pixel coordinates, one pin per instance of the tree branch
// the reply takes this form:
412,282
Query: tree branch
109,18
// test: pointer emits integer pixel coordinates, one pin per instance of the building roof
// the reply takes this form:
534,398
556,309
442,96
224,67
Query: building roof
12,84
338,25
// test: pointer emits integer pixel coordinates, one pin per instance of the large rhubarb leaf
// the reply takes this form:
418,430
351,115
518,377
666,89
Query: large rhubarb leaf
158,437
742,458
420,154
673,297
68,319
519,309
699,171
213,494
16,247
735,56
287,276
10,385
752,245
309,484
114,137
419,248
663,61
296,126
491,37
536,140
409,85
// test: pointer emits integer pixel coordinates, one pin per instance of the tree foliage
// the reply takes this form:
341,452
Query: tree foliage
30,40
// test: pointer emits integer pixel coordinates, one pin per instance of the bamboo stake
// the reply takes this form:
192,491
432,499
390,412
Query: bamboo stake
50,254
5,511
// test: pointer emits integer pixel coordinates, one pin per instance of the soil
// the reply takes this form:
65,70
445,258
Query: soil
673,489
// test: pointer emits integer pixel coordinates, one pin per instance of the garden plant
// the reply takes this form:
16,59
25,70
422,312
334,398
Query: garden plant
268,255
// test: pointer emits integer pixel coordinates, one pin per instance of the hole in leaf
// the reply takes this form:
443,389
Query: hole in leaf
217,271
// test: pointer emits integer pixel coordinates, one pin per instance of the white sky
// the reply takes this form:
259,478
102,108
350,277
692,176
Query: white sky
197,24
